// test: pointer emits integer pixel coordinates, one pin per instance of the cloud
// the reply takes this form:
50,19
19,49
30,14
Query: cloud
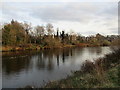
114,30
50,12
90,17
60,1
81,12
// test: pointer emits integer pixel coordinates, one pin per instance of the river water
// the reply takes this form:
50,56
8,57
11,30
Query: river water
36,68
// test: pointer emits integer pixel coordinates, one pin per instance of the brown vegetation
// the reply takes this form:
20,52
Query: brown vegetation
22,36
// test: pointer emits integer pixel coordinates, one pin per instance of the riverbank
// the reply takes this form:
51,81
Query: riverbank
38,47
31,47
102,73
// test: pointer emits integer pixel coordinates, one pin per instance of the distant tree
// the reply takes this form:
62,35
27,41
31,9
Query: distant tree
13,34
40,31
49,28
63,35
73,37
6,35
12,21
27,27
57,32
80,39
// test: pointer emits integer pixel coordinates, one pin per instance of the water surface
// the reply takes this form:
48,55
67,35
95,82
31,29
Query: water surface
36,68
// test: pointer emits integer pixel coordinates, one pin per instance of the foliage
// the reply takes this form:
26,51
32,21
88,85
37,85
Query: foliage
17,34
13,34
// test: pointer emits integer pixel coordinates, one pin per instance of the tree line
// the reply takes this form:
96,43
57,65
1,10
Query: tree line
16,34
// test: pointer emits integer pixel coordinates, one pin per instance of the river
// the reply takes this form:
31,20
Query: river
36,68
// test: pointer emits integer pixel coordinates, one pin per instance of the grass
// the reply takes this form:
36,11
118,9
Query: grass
88,80
38,47
32,47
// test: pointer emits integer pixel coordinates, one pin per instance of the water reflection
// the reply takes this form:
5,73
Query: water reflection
57,60
28,67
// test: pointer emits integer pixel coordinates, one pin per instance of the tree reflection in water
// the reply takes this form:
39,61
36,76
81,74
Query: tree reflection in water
26,67
17,61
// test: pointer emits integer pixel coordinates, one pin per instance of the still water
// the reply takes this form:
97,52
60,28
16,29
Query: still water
36,68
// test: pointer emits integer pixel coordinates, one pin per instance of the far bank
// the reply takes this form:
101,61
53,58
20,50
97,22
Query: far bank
39,47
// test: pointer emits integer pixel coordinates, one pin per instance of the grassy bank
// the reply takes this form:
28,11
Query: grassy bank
89,80
31,47
102,73
38,47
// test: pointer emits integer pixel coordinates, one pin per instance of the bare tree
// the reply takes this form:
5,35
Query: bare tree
27,27
39,31
49,28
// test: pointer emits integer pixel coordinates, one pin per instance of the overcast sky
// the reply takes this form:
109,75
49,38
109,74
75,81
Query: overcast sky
86,18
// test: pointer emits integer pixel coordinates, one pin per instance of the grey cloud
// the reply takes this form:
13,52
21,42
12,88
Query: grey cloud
53,12
13,10
108,9
80,12
69,12
114,30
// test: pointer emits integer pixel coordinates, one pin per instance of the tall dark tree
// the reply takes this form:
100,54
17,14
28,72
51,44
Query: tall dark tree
63,35
57,32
